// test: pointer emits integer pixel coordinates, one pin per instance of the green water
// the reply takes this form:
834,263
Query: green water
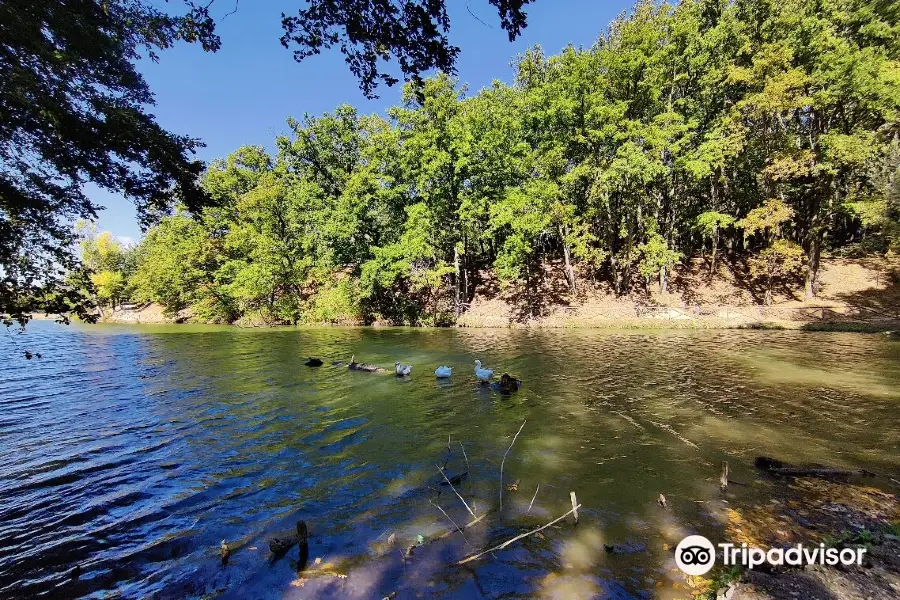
133,451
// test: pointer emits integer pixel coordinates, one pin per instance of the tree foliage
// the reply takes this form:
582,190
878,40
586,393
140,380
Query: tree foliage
412,32
768,128
73,110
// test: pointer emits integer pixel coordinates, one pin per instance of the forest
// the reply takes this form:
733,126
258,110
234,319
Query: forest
767,130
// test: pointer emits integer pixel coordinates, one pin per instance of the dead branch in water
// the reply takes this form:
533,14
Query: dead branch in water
474,521
464,455
471,512
438,506
723,478
575,505
776,467
504,461
532,499
518,537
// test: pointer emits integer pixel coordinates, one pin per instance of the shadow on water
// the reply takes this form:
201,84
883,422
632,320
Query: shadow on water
132,453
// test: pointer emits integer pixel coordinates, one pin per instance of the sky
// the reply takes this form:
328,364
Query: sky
244,93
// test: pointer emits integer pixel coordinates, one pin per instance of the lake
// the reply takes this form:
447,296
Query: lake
132,452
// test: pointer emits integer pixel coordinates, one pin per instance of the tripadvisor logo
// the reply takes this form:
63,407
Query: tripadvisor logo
696,555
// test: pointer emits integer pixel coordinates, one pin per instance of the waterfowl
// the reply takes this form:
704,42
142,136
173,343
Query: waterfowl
483,375
443,371
402,371
508,384
355,366
280,545
225,552
313,362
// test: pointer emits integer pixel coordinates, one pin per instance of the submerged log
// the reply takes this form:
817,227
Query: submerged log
355,366
281,544
776,467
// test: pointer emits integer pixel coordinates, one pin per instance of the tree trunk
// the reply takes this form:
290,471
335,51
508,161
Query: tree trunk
570,272
812,262
663,281
456,264
715,247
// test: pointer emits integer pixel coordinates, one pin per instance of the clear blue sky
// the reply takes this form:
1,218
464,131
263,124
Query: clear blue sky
244,93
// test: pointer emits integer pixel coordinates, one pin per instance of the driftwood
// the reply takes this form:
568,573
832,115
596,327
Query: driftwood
279,546
776,467
532,499
471,512
518,537
502,462
355,366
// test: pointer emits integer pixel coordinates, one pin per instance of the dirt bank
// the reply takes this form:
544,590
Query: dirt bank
852,292
143,314
855,294
812,511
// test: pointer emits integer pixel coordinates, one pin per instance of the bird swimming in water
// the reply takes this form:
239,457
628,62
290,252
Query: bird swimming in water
402,371
508,384
443,372
483,375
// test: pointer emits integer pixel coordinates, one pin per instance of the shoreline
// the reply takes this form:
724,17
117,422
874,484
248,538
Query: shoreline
586,321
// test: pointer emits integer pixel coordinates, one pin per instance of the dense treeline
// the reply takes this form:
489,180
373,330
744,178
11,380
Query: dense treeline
767,127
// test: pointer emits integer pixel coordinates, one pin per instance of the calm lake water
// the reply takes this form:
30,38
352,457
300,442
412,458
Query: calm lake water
132,452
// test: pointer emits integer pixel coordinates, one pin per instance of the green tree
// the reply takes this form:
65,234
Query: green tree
73,110
781,260
710,224
177,268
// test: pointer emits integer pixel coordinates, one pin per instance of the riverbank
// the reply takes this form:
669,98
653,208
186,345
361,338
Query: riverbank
808,511
854,295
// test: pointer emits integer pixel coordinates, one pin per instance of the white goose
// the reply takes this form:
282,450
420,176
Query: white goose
401,370
482,374
443,372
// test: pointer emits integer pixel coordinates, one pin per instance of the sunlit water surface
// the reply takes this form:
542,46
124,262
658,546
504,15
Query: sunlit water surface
132,452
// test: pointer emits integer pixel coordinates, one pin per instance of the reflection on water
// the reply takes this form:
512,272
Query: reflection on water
132,452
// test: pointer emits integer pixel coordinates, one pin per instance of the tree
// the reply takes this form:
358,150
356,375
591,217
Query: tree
73,110
104,257
656,258
710,223
780,260
702,116
177,268
414,32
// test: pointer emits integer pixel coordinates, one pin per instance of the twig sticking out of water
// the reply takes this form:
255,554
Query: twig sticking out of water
723,478
441,471
532,499
575,505
454,523
464,455
504,460
518,537
466,526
